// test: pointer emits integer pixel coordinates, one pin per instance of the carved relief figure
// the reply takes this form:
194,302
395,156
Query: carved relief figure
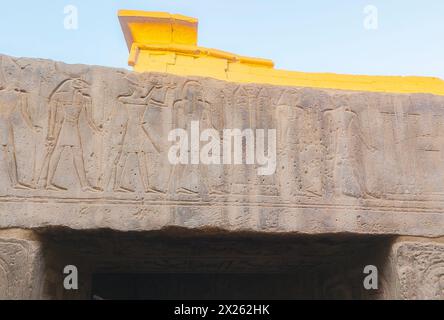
189,179
158,95
13,99
136,136
67,103
265,119
240,114
289,127
345,152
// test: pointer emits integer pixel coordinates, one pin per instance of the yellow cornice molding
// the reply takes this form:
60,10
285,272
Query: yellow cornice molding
156,14
197,51
164,42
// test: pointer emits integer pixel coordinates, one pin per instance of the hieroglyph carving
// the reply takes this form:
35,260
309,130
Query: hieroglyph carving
78,132
420,268
20,276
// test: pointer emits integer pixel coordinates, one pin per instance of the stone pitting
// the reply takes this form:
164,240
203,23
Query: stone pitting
86,148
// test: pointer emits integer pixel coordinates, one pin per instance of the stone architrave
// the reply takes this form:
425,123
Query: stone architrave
87,148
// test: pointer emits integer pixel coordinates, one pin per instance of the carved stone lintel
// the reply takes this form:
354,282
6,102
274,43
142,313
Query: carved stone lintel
86,147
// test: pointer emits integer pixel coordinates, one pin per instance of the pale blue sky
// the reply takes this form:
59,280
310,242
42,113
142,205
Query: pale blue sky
311,35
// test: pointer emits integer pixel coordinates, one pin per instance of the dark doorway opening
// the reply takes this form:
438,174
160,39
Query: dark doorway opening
195,286
186,265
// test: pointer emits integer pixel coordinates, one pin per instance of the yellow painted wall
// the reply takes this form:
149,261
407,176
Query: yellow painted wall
162,42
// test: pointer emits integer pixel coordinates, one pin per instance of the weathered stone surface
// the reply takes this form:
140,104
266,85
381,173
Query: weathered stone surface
420,270
21,266
86,148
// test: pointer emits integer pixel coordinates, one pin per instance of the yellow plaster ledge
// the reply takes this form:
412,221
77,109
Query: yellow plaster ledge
163,42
